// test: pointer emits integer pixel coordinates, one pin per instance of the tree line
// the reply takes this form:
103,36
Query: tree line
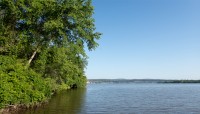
42,47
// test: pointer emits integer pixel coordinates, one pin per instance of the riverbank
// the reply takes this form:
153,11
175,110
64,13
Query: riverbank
22,88
18,108
15,109
12,109
21,108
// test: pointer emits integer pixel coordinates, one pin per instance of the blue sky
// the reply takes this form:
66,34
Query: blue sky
154,39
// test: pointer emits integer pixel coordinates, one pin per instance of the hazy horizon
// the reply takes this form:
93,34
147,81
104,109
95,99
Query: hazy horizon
135,79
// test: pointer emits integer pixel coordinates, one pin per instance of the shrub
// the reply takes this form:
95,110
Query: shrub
20,85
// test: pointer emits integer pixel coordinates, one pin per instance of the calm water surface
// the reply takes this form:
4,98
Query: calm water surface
131,98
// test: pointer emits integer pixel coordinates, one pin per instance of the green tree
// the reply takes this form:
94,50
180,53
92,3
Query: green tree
29,32
47,38
35,25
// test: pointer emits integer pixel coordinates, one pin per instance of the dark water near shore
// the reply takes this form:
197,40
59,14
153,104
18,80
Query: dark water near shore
130,98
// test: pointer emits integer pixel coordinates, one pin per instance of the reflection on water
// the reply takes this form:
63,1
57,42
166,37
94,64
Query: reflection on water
65,102
130,98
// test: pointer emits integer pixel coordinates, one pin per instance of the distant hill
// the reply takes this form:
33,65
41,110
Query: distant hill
140,81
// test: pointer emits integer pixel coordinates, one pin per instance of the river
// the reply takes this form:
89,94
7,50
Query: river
125,98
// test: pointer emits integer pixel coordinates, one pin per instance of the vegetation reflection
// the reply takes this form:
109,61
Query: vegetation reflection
68,102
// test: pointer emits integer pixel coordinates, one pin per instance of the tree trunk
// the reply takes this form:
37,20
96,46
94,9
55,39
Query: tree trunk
33,55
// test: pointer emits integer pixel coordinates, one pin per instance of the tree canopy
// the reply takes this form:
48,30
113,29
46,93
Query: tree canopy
47,37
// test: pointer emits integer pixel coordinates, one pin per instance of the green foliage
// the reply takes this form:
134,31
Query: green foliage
20,85
42,47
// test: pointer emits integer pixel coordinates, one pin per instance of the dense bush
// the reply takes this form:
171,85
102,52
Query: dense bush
19,85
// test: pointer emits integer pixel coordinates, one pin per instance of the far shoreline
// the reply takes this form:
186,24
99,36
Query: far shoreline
141,81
